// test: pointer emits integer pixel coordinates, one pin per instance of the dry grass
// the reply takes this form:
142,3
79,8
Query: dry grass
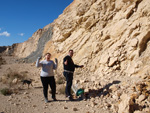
12,77
60,80
2,61
61,90
11,80
6,91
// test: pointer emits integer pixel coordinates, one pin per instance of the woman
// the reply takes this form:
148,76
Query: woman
47,75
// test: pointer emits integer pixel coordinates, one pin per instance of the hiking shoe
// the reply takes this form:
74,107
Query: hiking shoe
66,96
54,99
70,98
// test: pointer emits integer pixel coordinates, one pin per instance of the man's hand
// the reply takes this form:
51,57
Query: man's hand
66,62
81,66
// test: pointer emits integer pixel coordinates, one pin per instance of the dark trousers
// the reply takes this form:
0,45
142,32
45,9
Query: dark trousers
69,79
51,82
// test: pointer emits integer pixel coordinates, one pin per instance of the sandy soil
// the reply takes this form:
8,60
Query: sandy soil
25,100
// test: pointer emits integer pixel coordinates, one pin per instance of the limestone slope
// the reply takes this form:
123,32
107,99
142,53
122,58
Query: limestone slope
34,46
105,35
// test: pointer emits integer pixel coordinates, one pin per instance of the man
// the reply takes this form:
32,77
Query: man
69,68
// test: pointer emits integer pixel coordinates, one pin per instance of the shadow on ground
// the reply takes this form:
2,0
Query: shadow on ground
100,92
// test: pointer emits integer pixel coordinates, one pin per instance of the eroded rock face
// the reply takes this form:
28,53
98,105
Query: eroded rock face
110,37
33,47
112,33
26,48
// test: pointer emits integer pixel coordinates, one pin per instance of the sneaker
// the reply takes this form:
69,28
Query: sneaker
46,100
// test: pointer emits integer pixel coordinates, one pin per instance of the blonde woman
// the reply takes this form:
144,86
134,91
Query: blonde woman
47,75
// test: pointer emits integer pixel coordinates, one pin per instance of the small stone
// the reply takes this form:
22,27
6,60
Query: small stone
65,107
93,104
9,99
15,104
92,99
137,111
147,110
141,98
87,105
45,107
108,105
25,93
15,81
75,109
115,97
34,106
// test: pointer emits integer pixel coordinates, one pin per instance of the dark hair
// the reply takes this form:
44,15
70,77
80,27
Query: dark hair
47,54
71,50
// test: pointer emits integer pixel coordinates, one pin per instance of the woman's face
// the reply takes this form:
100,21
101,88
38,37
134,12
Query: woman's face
48,56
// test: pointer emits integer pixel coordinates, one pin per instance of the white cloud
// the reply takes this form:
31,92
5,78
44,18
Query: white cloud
21,34
5,33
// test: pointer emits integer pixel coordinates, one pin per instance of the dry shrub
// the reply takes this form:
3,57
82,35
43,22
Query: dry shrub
61,90
60,80
2,61
10,76
6,91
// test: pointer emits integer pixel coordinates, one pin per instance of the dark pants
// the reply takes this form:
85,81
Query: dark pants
48,81
69,79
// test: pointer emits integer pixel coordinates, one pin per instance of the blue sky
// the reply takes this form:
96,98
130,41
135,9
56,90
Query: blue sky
19,19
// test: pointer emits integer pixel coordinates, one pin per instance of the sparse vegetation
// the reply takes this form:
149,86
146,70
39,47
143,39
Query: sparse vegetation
2,61
12,77
62,90
60,80
6,91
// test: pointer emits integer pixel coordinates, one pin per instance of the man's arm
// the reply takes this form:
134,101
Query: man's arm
78,66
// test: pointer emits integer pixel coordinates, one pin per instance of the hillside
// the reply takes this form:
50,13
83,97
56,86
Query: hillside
111,38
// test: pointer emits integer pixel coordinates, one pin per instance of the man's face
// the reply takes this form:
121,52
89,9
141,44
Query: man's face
70,53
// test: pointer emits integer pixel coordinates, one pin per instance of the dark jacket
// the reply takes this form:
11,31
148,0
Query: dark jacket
70,66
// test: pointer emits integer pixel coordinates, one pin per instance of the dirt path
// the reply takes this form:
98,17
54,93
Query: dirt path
31,100
24,100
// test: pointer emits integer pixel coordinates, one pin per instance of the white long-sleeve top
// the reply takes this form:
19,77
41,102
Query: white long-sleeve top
47,67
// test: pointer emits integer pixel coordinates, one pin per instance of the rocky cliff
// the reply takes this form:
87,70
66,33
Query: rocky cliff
34,46
110,37
106,35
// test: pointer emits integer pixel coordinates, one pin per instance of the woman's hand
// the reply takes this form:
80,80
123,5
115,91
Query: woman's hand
56,61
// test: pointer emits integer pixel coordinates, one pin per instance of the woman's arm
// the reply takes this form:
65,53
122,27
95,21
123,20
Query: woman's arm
55,65
38,64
